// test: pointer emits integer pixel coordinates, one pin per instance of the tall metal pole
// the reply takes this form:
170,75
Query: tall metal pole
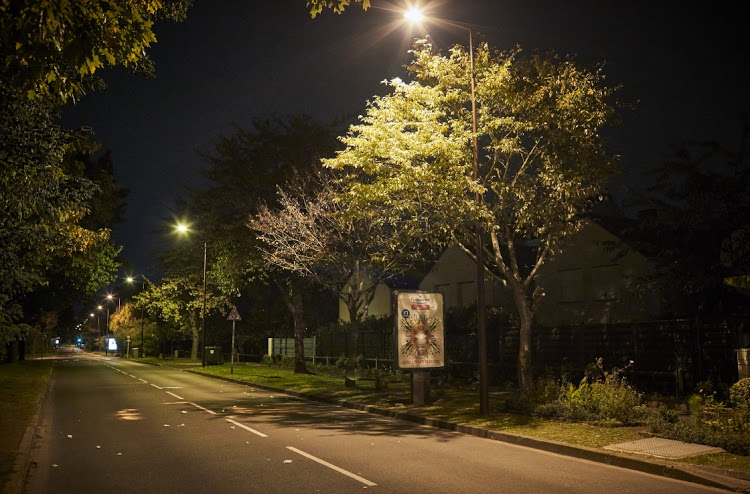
143,319
203,312
484,402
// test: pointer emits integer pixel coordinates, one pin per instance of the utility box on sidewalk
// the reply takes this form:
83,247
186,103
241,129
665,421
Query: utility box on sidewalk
135,352
213,355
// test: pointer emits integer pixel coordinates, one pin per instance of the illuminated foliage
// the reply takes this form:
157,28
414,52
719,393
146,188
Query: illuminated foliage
338,6
408,164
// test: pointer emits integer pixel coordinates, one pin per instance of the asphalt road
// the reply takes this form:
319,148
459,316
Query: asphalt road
114,425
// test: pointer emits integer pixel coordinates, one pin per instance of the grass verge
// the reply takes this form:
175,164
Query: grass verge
21,386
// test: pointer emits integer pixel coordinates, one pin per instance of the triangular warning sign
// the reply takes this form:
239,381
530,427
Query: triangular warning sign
234,315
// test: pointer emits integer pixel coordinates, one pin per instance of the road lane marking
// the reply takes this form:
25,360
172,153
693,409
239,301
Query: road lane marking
246,428
142,380
333,467
202,408
176,396
157,387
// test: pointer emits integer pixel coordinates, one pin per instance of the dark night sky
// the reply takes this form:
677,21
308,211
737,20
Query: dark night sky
684,66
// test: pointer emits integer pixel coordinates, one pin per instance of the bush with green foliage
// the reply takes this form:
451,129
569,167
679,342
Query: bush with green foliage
739,393
608,399
712,422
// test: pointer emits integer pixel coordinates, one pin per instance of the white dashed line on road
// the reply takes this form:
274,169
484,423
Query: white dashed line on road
176,396
200,407
258,433
157,387
332,467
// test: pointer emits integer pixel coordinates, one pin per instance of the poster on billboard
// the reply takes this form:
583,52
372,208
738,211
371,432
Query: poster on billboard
111,344
420,335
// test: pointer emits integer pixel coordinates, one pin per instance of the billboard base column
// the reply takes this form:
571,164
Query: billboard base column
420,386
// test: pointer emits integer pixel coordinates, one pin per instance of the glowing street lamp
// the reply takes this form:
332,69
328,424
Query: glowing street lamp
415,16
184,229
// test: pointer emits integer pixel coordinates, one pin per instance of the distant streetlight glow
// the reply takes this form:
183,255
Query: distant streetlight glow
414,15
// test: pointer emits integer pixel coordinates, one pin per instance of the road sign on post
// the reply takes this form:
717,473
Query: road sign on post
234,316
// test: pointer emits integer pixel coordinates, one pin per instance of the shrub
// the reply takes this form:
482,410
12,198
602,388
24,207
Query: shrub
266,360
739,393
287,361
608,399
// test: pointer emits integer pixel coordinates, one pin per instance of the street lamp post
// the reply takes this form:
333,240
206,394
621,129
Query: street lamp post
415,16
203,311
184,229
130,279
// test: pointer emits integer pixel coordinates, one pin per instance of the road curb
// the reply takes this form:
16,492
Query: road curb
677,471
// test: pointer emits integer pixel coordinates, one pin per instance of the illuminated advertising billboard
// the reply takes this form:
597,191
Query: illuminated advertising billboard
112,344
420,335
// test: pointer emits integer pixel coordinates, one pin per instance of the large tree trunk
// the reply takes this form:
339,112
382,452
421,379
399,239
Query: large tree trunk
525,371
351,351
292,296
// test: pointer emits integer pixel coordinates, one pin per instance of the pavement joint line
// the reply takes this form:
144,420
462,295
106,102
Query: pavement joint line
258,433
200,407
333,467
176,396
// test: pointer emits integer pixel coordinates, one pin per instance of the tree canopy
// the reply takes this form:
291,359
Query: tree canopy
695,226
49,49
543,161
316,6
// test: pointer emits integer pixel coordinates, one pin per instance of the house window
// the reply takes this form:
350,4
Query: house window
571,285
467,293
605,282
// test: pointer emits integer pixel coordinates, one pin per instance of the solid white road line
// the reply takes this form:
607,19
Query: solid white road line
246,428
176,396
200,407
332,467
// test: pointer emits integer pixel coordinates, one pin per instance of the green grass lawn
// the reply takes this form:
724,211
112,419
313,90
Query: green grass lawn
21,385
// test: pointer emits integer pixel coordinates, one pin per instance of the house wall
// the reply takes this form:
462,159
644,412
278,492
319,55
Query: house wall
592,281
455,276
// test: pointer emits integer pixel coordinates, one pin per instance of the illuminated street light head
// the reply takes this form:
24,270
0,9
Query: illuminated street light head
130,279
110,296
414,15
182,228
